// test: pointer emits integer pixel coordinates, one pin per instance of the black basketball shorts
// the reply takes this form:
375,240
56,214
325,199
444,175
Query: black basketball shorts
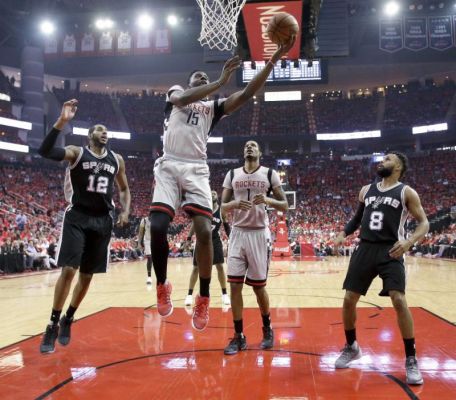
370,260
84,242
217,245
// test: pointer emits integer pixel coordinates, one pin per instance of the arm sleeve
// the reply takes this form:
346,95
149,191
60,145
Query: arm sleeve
355,222
47,149
227,228
219,112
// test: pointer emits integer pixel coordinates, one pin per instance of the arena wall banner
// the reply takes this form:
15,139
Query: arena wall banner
87,44
162,41
256,19
440,33
51,46
94,44
69,45
106,44
454,30
391,35
415,33
124,43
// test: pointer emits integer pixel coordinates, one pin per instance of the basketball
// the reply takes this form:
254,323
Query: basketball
281,27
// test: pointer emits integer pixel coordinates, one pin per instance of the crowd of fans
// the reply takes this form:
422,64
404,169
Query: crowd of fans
93,108
418,106
404,106
32,204
143,112
8,134
335,115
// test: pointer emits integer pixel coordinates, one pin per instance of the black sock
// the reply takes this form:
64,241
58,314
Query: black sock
159,223
204,286
70,312
223,290
266,320
238,326
409,345
149,266
190,292
55,316
350,335
159,248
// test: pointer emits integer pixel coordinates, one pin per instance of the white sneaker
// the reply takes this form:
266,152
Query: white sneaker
149,281
226,300
189,300
349,353
412,371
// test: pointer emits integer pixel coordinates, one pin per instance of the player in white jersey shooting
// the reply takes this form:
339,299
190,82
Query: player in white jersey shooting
249,247
182,175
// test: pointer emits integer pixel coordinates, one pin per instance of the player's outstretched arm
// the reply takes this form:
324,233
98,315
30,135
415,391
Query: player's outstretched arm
182,98
48,148
355,222
278,202
236,100
124,192
413,203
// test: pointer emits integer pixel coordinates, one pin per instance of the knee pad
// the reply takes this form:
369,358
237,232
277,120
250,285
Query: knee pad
159,223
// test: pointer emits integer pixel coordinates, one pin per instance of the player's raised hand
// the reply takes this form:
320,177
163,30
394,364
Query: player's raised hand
260,199
230,66
69,109
243,205
123,219
285,47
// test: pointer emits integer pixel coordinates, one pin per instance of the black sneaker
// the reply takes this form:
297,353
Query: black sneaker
238,343
65,330
50,335
268,338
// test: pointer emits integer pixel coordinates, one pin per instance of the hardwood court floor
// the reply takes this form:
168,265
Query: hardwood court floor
128,351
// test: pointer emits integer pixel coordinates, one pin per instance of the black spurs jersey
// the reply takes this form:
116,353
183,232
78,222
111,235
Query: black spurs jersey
89,182
216,222
384,214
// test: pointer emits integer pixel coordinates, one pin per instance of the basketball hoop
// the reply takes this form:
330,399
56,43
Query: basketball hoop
218,25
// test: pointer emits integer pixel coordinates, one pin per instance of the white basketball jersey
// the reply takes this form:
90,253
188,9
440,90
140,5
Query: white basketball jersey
187,128
245,186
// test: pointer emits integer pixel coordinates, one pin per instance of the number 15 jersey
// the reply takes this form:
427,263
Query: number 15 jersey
385,214
187,128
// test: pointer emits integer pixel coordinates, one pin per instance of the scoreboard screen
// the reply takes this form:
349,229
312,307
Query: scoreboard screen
288,72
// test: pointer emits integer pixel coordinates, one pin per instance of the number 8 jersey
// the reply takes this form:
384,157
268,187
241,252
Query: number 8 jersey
89,182
385,214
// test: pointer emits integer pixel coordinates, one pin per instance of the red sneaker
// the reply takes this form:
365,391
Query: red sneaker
200,317
164,303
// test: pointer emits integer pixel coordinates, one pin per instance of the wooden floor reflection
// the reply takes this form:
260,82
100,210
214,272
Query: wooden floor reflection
123,349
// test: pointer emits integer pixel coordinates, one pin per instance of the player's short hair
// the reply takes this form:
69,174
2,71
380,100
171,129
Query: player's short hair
404,161
92,129
191,74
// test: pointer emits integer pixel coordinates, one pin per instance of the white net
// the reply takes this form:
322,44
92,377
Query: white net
218,25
